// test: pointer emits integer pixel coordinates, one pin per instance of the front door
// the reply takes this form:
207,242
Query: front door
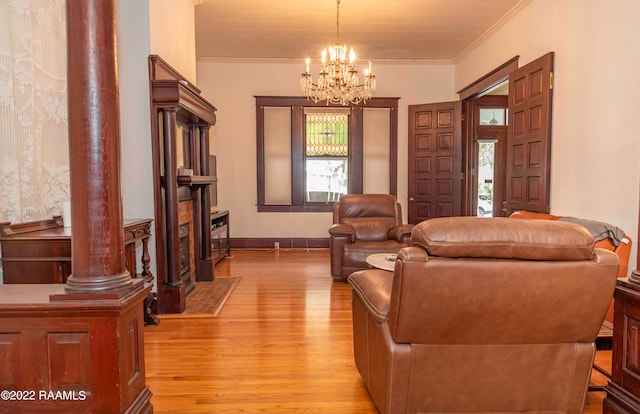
488,168
435,161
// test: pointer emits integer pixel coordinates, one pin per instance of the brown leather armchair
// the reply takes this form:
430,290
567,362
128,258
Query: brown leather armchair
483,315
364,224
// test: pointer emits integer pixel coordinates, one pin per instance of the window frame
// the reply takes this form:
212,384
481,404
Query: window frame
355,158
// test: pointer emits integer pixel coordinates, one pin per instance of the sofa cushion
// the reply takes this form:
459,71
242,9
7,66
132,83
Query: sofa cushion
503,238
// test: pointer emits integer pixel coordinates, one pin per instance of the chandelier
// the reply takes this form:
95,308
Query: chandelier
338,80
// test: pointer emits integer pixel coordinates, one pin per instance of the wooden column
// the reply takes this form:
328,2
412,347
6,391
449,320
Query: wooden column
205,263
97,247
85,339
174,290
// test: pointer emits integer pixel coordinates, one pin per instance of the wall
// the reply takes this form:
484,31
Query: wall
231,87
135,129
595,165
172,34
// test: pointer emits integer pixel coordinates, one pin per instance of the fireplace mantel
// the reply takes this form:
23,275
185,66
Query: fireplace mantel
180,122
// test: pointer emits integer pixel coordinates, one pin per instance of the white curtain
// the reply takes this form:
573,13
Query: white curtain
34,149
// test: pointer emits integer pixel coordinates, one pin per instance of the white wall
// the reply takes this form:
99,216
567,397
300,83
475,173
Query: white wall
135,127
231,87
595,165
173,37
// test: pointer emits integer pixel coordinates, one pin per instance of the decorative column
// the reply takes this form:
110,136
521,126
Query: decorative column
174,289
205,270
97,246
83,340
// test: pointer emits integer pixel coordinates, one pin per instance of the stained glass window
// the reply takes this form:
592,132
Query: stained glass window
327,134
327,151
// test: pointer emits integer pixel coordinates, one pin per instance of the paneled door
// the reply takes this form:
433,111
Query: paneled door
435,161
529,136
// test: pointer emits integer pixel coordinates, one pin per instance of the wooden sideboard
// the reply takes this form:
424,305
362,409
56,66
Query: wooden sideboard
40,251
623,391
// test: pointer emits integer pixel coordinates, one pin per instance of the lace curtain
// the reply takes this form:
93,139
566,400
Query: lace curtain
34,150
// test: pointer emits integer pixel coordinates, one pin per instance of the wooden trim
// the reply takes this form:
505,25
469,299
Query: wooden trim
491,79
260,151
298,156
160,69
356,150
285,243
297,105
285,208
393,150
8,229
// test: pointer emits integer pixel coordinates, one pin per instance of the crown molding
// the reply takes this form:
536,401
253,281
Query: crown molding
497,25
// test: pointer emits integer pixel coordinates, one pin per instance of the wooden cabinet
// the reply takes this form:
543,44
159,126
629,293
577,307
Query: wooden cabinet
40,251
623,391
220,247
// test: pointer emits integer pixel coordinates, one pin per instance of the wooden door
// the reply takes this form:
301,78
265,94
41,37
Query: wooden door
529,136
435,166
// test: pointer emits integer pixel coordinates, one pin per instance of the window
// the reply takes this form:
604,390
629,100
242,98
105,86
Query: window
326,155
493,116
309,154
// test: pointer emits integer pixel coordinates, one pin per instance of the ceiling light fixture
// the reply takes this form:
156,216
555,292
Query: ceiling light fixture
338,80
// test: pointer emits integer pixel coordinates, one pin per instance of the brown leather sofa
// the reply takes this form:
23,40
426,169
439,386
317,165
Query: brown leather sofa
364,224
623,250
483,315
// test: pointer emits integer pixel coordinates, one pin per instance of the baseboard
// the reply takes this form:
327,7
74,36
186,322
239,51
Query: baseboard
284,243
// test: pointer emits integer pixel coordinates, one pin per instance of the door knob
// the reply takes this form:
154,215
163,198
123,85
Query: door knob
411,199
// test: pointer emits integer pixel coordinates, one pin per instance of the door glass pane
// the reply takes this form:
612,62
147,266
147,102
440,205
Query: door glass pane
486,163
493,116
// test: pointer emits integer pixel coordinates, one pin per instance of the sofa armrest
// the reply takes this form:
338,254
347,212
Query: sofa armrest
339,236
373,286
401,233
343,230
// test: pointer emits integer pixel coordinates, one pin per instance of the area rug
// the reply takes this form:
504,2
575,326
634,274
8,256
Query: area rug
207,299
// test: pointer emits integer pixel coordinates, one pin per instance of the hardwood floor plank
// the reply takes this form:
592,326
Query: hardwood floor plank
282,343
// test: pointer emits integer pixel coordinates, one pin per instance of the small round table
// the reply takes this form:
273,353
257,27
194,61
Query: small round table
384,261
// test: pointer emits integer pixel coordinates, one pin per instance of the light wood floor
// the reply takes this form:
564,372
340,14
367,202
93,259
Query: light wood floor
281,344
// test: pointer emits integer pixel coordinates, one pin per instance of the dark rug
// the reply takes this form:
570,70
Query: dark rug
207,298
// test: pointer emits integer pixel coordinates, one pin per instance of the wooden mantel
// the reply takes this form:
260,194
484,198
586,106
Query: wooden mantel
180,123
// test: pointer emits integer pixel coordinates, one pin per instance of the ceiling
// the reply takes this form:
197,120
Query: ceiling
391,30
